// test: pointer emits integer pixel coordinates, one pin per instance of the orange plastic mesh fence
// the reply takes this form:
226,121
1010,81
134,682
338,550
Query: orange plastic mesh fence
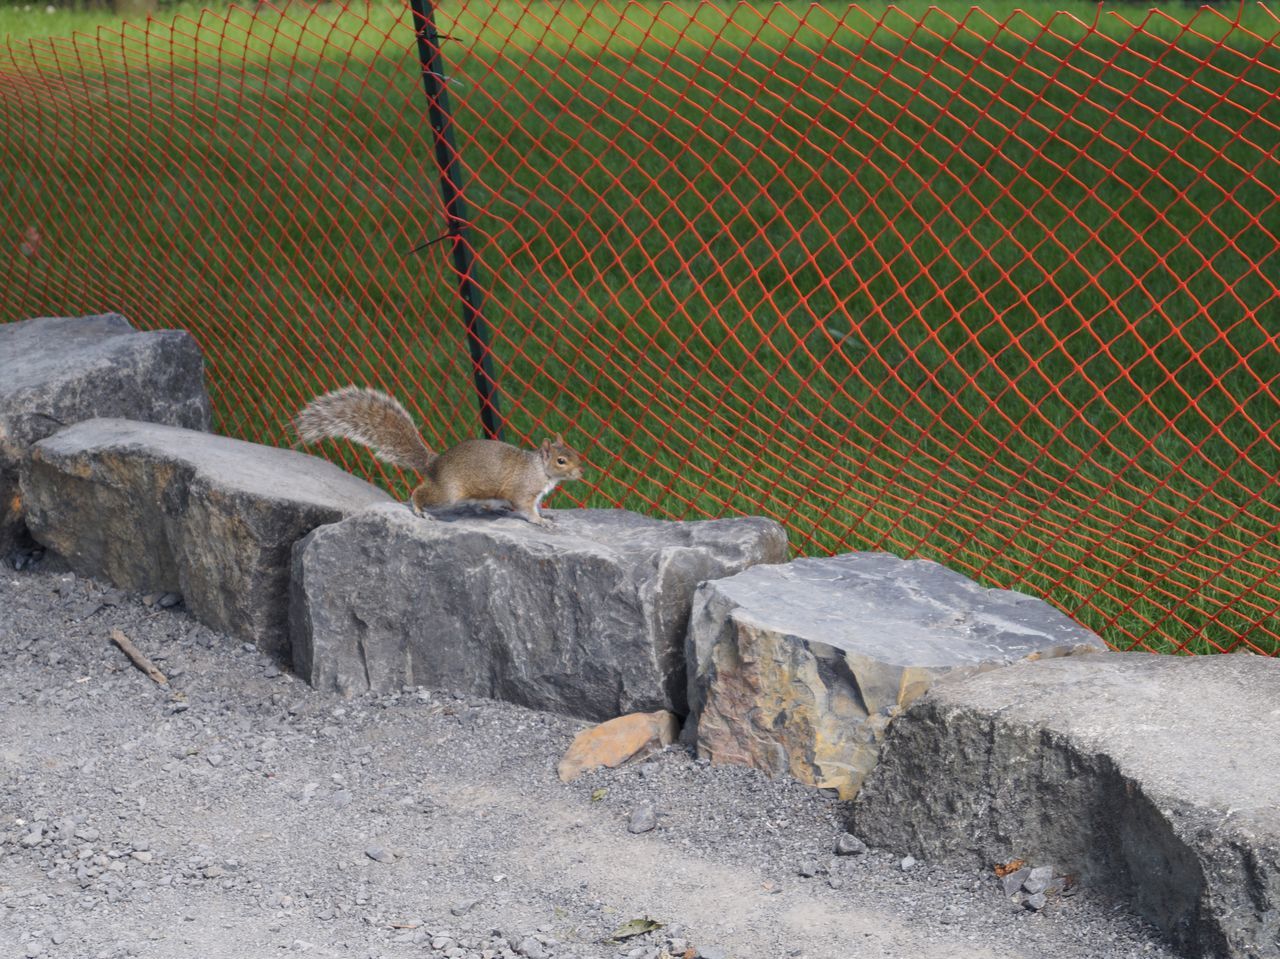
997,292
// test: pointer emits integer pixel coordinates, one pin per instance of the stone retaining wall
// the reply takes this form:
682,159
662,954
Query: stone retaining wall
799,668
57,371
162,509
587,617
1153,778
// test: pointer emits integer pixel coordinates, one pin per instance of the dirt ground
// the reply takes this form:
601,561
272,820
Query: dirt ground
236,813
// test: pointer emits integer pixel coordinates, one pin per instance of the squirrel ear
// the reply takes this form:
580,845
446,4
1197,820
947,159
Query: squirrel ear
560,439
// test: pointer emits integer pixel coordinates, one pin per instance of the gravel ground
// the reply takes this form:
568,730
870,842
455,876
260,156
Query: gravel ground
236,813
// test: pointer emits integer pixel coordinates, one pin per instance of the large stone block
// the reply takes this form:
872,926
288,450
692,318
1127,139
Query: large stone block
55,371
798,668
587,618
1155,778
157,508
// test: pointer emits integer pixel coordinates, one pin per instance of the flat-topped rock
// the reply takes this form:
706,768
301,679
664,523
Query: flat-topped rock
162,509
1155,777
55,371
798,668
586,618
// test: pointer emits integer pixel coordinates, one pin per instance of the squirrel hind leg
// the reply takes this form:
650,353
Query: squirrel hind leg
425,497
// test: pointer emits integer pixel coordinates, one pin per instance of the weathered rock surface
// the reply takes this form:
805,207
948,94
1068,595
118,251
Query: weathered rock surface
798,668
617,741
587,618
1155,776
161,509
55,371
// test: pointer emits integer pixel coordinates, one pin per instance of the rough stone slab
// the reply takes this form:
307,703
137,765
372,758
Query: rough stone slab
616,741
798,668
1155,777
161,509
59,370
587,618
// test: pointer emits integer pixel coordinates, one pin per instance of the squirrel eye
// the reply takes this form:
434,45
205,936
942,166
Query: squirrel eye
560,461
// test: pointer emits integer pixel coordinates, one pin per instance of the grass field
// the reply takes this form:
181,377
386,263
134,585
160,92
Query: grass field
962,286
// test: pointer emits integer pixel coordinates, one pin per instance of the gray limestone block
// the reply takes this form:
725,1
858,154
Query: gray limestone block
1156,778
161,509
55,371
585,618
798,668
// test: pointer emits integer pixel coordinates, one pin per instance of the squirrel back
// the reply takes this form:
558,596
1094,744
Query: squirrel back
371,418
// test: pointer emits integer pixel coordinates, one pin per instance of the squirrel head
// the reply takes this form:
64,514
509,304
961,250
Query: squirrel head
560,460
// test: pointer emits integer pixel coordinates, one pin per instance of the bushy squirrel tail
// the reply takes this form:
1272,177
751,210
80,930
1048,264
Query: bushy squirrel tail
369,417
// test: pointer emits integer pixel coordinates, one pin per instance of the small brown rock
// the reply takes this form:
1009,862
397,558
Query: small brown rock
617,741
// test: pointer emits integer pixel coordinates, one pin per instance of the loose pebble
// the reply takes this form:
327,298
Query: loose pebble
850,845
642,819
1035,885
464,907
379,853
1012,882
531,948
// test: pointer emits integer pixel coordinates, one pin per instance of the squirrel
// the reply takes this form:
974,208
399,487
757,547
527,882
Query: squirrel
471,470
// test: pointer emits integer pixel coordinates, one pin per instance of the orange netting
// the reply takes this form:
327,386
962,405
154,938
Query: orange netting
998,292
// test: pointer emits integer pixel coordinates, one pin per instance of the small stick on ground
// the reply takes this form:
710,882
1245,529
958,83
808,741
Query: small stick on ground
135,654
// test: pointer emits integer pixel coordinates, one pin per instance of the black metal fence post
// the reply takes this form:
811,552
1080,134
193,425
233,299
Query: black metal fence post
455,208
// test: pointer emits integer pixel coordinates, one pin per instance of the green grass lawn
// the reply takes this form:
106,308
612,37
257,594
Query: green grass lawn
963,286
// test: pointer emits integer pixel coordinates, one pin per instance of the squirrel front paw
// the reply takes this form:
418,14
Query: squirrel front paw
419,511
